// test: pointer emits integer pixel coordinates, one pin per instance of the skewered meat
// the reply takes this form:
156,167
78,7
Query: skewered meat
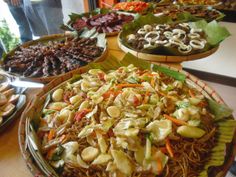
53,58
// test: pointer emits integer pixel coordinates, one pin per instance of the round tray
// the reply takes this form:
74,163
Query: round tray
46,39
165,58
112,34
200,85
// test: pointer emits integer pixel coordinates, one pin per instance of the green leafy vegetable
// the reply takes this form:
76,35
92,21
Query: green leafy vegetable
57,153
133,80
215,33
219,110
175,74
48,111
182,104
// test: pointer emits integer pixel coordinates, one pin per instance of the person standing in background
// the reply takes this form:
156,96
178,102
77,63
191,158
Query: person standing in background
17,11
45,16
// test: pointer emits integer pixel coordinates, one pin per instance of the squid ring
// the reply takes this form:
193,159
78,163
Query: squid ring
184,49
168,34
195,30
194,35
176,42
142,31
196,44
149,39
161,42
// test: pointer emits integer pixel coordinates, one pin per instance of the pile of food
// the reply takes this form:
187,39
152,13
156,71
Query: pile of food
52,58
227,5
180,36
133,6
104,23
126,122
197,11
8,101
198,2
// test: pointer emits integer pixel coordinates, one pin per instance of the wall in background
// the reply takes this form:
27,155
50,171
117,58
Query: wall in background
75,6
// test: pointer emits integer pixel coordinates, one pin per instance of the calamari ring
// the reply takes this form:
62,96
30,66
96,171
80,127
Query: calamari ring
197,44
176,42
142,31
194,35
149,39
185,49
168,34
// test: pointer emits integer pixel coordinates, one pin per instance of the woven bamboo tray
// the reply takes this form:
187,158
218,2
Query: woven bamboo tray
165,58
112,34
45,39
38,101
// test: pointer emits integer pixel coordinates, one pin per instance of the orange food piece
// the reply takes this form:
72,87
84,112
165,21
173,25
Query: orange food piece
174,120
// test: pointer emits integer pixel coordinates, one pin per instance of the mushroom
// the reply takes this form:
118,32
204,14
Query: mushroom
75,99
89,153
113,111
57,95
102,159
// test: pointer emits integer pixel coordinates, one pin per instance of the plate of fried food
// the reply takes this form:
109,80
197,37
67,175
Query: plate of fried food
50,56
162,39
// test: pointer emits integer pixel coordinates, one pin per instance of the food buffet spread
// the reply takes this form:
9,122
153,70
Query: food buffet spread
104,114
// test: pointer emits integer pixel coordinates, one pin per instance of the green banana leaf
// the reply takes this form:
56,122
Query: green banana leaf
220,111
215,33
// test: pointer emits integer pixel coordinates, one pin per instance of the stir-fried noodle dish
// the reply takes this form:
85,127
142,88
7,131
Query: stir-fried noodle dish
127,122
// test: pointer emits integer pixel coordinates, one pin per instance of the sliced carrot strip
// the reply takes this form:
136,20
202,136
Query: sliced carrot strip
50,153
174,120
129,85
163,150
169,148
202,104
63,138
146,97
191,93
51,134
159,166
153,82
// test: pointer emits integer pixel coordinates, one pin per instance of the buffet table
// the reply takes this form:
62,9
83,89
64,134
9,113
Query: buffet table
11,161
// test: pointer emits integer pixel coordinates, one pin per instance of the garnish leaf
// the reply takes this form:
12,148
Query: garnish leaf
220,111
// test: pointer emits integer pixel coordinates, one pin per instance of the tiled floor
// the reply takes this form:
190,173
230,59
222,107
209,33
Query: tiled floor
229,96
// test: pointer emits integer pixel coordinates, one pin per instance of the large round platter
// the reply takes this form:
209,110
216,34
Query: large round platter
174,10
44,39
37,169
102,27
165,58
